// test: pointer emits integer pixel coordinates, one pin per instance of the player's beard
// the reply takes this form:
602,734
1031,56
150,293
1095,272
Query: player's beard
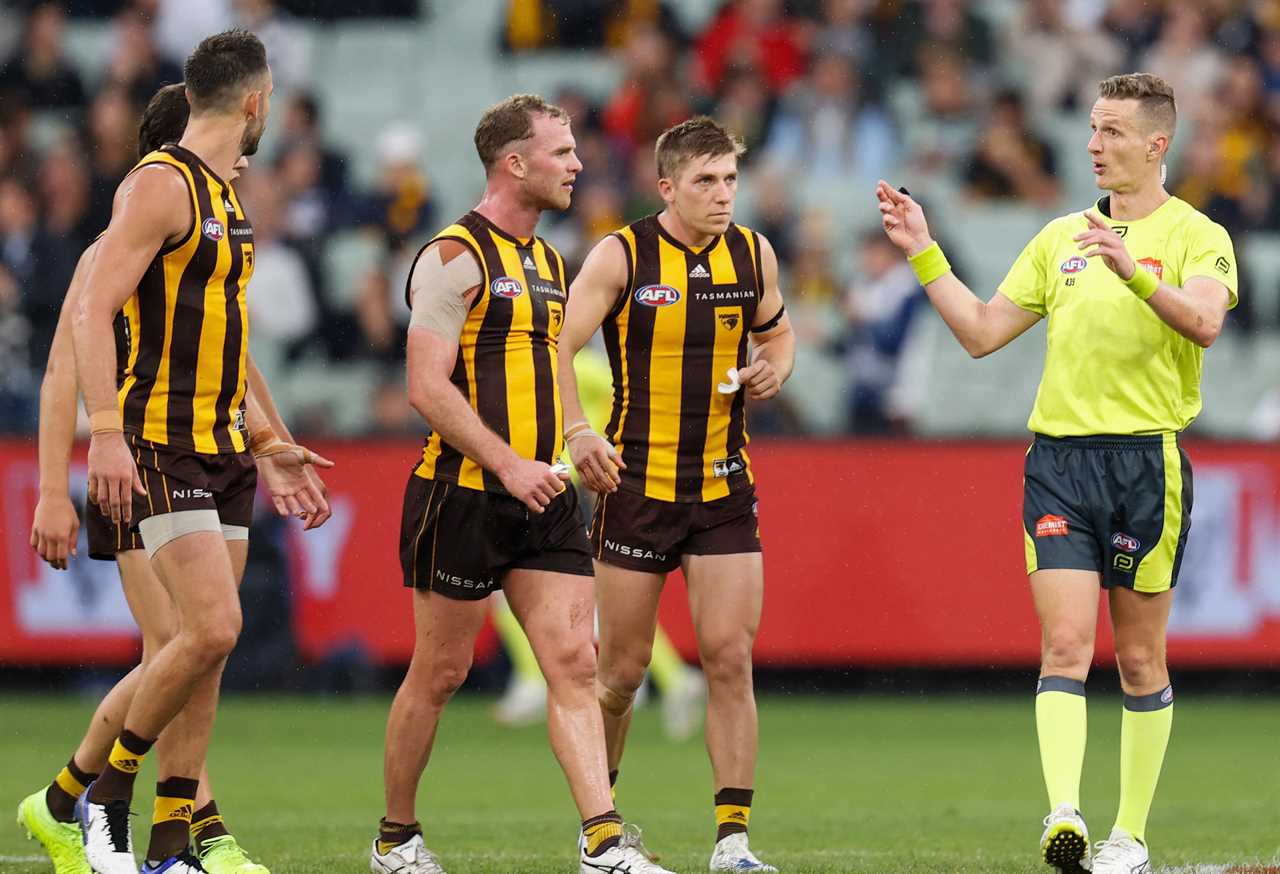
250,138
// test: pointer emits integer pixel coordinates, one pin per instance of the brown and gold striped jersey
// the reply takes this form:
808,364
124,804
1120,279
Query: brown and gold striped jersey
678,327
506,363
186,328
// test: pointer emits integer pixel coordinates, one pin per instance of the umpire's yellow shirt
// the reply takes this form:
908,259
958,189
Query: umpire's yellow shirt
1112,366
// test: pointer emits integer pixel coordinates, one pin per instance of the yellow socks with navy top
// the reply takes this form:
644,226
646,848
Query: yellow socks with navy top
733,811
171,824
601,833
1144,737
1062,726
65,789
123,764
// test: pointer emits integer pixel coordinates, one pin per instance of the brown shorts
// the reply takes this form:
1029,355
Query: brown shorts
461,542
177,480
106,538
644,534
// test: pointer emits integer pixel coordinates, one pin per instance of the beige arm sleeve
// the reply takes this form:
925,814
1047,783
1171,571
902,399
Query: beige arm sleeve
440,289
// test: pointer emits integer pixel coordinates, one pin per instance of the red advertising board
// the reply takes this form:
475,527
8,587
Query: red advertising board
876,553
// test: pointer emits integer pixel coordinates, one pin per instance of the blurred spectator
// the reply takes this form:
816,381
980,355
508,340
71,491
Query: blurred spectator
811,283
747,108
845,31
17,381
15,147
113,149
19,227
136,64
946,132
381,310
179,25
752,34
774,211
401,205
1135,25
643,189
37,72
1011,162
880,306
1068,61
64,233
826,130
300,125
1184,56
918,28
389,407
542,24
287,48
650,98
282,307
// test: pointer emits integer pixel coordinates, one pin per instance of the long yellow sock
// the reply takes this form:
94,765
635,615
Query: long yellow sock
665,664
523,662
1144,737
1062,726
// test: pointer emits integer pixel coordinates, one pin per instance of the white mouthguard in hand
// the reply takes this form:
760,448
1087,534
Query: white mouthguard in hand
728,388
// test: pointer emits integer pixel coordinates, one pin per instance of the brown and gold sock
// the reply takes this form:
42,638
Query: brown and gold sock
116,782
65,789
171,824
206,825
603,832
733,812
393,834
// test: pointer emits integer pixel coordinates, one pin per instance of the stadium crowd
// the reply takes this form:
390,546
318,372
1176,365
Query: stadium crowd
827,94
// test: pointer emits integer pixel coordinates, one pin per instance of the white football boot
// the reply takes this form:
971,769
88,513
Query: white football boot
622,859
523,703
733,854
108,841
683,707
1065,842
1121,853
411,857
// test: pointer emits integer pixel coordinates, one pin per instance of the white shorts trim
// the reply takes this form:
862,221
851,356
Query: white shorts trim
157,531
235,532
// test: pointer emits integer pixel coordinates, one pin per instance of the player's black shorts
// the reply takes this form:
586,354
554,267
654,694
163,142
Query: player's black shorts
461,542
1120,506
106,538
177,480
644,534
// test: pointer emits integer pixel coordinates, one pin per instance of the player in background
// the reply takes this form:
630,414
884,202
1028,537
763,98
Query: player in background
484,507
693,324
184,437
48,814
1135,289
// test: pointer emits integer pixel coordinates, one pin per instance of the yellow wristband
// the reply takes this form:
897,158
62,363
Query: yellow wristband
930,264
105,421
1143,282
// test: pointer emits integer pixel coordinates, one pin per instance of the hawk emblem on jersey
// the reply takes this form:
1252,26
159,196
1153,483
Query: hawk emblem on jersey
505,286
1051,526
657,295
729,321
213,229
1152,265
1074,264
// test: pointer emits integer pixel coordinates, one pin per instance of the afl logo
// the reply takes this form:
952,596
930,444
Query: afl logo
213,229
657,295
1125,543
1074,264
505,286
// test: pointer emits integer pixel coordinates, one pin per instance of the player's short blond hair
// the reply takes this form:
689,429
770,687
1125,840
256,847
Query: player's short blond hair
1154,95
699,136
508,122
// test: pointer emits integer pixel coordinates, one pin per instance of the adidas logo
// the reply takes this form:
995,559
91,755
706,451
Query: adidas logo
128,766
698,272
229,206
528,263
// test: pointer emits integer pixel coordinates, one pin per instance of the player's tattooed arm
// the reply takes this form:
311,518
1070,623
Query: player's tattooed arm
773,340
592,295
152,207
56,524
434,336
981,327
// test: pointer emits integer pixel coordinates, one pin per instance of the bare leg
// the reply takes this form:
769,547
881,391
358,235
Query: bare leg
726,594
556,611
1140,622
1067,603
627,605
446,630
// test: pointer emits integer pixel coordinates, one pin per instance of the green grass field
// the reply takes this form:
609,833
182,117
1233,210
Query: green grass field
858,784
